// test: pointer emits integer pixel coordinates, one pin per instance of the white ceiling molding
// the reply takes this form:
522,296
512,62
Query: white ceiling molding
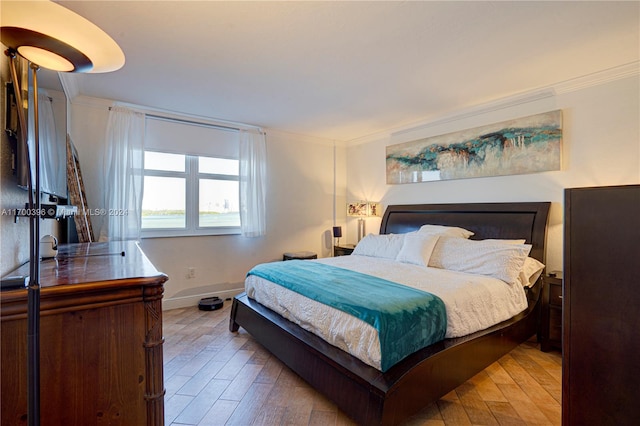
580,83
597,78
499,104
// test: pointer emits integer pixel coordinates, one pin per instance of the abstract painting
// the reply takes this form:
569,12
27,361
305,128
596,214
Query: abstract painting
525,145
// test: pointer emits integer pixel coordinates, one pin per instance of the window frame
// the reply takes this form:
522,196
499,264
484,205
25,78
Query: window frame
192,178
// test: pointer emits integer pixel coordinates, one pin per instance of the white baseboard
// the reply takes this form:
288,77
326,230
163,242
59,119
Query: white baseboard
192,300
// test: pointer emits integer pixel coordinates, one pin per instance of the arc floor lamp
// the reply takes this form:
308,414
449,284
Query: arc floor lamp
50,36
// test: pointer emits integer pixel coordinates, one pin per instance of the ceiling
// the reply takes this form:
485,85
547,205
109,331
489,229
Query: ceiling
344,70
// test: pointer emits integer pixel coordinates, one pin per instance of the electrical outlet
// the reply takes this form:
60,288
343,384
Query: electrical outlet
191,272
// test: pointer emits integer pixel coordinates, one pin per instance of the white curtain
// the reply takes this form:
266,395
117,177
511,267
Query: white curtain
53,164
54,152
253,174
123,175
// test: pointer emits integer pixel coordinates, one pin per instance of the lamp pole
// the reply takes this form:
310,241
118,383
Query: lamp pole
34,207
33,292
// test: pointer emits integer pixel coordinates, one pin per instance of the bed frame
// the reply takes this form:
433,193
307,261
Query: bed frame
371,397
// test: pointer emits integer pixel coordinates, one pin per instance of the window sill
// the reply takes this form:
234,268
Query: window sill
176,233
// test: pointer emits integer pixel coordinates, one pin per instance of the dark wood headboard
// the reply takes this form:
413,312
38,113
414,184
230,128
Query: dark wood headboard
486,220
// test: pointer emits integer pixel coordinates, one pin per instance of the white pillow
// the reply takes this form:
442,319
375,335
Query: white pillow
449,231
386,246
417,249
531,271
507,241
497,259
532,268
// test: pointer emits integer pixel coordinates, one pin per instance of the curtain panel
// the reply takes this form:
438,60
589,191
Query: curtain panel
52,180
253,173
123,175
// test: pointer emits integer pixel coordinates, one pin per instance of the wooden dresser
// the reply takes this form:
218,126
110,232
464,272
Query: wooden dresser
100,337
600,367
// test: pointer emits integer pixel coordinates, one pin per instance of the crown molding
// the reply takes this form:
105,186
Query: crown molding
597,78
572,85
504,103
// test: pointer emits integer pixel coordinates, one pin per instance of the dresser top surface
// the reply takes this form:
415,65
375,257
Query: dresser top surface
97,263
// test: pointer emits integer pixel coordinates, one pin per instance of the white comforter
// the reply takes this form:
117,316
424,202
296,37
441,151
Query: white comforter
473,302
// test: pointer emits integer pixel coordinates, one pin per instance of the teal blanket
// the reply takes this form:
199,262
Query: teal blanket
406,319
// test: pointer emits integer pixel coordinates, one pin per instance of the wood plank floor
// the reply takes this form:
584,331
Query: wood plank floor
215,377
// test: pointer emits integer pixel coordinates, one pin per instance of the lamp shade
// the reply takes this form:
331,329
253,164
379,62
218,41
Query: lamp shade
373,209
56,38
337,231
357,208
363,209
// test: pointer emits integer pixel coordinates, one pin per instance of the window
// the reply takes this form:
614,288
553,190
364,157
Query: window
188,194
191,179
164,203
218,192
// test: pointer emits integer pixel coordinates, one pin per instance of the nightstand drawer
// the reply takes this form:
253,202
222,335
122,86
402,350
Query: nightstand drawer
551,315
345,250
555,325
555,295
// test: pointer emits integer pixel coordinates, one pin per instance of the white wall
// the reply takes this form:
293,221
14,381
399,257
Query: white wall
601,146
300,210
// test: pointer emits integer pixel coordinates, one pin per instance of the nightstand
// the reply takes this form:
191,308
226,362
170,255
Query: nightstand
344,250
551,321
299,255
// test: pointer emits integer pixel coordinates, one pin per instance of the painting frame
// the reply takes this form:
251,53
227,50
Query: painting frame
530,144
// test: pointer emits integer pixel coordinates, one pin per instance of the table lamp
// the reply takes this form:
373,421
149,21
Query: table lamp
361,210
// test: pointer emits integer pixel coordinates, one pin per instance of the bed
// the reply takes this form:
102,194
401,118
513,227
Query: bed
371,396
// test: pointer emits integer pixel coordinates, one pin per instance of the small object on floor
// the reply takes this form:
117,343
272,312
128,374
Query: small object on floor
210,303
